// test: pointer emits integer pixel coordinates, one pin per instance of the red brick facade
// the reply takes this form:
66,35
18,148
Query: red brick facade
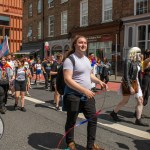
96,29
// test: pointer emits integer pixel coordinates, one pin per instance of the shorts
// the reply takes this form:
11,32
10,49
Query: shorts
38,71
53,82
20,86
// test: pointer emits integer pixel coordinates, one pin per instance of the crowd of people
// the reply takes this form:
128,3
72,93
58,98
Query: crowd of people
81,80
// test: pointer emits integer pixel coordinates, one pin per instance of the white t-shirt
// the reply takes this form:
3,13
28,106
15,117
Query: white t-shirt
38,66
20,76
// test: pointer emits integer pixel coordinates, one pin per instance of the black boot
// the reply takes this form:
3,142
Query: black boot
3,110
141,123
114,116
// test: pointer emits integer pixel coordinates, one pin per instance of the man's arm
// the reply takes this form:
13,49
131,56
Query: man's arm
97,81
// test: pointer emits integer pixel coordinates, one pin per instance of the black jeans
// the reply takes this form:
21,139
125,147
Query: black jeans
74,105
104,78
3,94
46,76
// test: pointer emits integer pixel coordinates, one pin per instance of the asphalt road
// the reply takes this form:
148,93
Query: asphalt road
42,127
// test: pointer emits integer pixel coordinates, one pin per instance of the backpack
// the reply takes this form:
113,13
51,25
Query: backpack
60,83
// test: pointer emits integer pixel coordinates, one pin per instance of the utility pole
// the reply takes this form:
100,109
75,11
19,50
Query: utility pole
43,51
116,59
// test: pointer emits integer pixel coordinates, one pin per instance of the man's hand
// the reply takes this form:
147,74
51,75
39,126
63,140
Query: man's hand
88,93
102,84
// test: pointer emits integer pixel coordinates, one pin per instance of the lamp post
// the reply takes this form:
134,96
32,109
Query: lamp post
43,51
116,59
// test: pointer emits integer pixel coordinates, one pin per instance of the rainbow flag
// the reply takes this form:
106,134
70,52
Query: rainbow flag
4,47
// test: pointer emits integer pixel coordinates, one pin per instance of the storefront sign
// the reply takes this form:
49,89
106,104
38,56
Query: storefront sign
94,38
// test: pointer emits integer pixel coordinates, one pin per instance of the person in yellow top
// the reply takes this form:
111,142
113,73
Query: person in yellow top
142,64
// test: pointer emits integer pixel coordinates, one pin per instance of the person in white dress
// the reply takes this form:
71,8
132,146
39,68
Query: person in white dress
132,72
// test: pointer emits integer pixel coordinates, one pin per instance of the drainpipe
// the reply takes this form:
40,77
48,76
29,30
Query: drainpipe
43,50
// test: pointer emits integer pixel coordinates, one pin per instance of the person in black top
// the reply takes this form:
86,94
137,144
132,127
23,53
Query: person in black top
46,67
53,73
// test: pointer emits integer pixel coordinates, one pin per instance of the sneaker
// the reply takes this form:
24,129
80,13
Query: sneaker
3,110
23,109
57,108
141,123
72,146
15,107
96,147
114,116
47,89
27,94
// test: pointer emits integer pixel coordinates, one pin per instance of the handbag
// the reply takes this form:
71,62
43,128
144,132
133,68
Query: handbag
126,88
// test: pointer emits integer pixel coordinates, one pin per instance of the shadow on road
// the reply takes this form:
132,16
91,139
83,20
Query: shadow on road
142,144
122,146
48,141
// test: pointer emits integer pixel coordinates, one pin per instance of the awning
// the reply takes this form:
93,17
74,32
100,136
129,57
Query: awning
27,52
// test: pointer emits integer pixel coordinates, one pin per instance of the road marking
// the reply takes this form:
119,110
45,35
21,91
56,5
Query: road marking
115,126
34,100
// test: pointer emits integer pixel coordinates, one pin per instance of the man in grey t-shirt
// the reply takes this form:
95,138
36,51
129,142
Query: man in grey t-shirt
78,96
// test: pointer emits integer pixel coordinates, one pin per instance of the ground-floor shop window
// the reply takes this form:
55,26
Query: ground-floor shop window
101,49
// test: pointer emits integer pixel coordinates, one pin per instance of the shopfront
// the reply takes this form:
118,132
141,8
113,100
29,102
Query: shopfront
58,46
137,32
101,46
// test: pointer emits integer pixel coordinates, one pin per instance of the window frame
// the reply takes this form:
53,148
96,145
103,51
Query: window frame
30,29
64,24
30,11
39,7
64,1
50,3
103,12
82,15
50,24
39,30
135,8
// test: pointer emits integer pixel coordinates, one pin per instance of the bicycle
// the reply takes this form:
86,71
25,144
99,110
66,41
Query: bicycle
1,127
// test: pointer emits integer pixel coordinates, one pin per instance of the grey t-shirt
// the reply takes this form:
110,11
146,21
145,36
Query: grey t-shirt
81,70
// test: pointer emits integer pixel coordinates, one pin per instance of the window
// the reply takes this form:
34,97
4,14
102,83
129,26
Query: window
64,22
141,36
84,13
51,26
63,1
101,49
39,30
107,10
39,6
130,36
141,7
148,45
30,10
30,32
50,3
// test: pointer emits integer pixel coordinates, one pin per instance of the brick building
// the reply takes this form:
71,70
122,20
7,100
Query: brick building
103,22
11,23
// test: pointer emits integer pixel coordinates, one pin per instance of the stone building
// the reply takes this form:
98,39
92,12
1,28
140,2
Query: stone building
105,23
11,23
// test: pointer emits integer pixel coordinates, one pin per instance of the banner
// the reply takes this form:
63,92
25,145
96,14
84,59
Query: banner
4,47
